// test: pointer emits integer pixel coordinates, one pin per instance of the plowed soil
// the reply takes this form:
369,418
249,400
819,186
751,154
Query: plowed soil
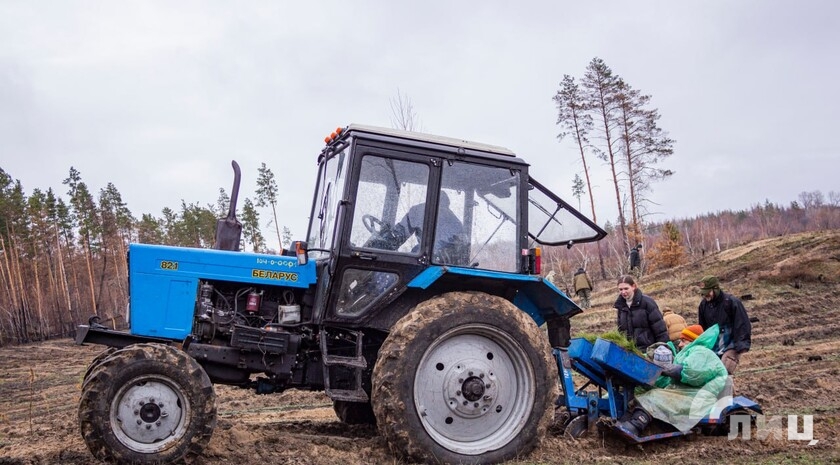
792,369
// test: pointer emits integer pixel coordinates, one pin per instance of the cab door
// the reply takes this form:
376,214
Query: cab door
385,242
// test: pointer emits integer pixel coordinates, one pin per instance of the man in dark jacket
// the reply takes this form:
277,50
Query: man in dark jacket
636,261
638,315
726,310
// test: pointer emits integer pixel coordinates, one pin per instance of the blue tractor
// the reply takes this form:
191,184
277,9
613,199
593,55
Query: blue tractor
414,303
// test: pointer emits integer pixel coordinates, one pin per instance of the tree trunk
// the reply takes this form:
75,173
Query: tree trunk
88,260
42,326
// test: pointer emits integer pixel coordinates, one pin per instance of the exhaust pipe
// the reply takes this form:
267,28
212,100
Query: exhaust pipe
229,229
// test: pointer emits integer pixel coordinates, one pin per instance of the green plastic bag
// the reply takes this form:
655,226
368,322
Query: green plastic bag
683,404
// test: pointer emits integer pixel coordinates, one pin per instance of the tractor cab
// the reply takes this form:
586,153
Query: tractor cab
391,204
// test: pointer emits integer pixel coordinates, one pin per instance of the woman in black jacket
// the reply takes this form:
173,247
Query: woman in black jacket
638,315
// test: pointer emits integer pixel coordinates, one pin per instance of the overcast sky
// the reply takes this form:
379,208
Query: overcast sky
158,97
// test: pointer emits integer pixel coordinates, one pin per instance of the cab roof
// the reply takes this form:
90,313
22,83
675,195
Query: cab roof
428,138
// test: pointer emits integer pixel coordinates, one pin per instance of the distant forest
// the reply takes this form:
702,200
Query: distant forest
62,261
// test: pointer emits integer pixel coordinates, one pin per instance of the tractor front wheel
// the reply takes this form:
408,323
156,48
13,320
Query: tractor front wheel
100,357
464,377
147,403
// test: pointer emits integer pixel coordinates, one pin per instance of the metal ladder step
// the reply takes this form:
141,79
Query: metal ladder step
338,360
350,395
357,363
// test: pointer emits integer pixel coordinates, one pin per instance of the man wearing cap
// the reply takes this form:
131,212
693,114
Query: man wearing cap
727,311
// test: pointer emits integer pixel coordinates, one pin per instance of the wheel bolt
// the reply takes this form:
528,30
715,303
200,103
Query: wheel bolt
157,423
481,375
148,426
139,422
475,404
460,380
457,393
487,386
137,412
471,373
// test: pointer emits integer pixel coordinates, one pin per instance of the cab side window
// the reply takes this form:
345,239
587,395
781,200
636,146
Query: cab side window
389,208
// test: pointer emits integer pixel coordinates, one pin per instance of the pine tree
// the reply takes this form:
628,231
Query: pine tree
117,230
251,226
150,230
600,86
287,237
267,195
85,216
644,145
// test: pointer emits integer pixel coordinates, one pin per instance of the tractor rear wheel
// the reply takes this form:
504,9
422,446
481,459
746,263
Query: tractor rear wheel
147,403
464,377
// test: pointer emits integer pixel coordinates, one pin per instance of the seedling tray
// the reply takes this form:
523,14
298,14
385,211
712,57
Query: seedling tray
580,351
624,364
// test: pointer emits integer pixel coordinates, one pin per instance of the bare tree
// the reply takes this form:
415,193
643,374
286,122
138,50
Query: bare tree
403,115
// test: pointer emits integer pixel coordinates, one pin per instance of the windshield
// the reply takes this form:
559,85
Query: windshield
551,221
331,177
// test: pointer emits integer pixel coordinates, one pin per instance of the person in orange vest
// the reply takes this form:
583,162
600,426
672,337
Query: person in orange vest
675,324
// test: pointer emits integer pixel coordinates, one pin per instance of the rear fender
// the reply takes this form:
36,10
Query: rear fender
535,295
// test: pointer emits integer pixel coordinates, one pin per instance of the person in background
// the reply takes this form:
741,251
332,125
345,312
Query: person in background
583,287
638,316
727,311
675,324
636,261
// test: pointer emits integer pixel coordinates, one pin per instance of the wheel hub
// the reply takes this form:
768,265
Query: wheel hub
147,413
470,388
150,412
473,389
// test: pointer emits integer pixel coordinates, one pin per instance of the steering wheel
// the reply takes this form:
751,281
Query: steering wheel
373,224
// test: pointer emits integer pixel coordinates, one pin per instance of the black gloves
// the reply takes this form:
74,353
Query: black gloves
672,370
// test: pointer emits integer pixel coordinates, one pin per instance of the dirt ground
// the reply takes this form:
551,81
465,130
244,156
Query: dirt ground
792,369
